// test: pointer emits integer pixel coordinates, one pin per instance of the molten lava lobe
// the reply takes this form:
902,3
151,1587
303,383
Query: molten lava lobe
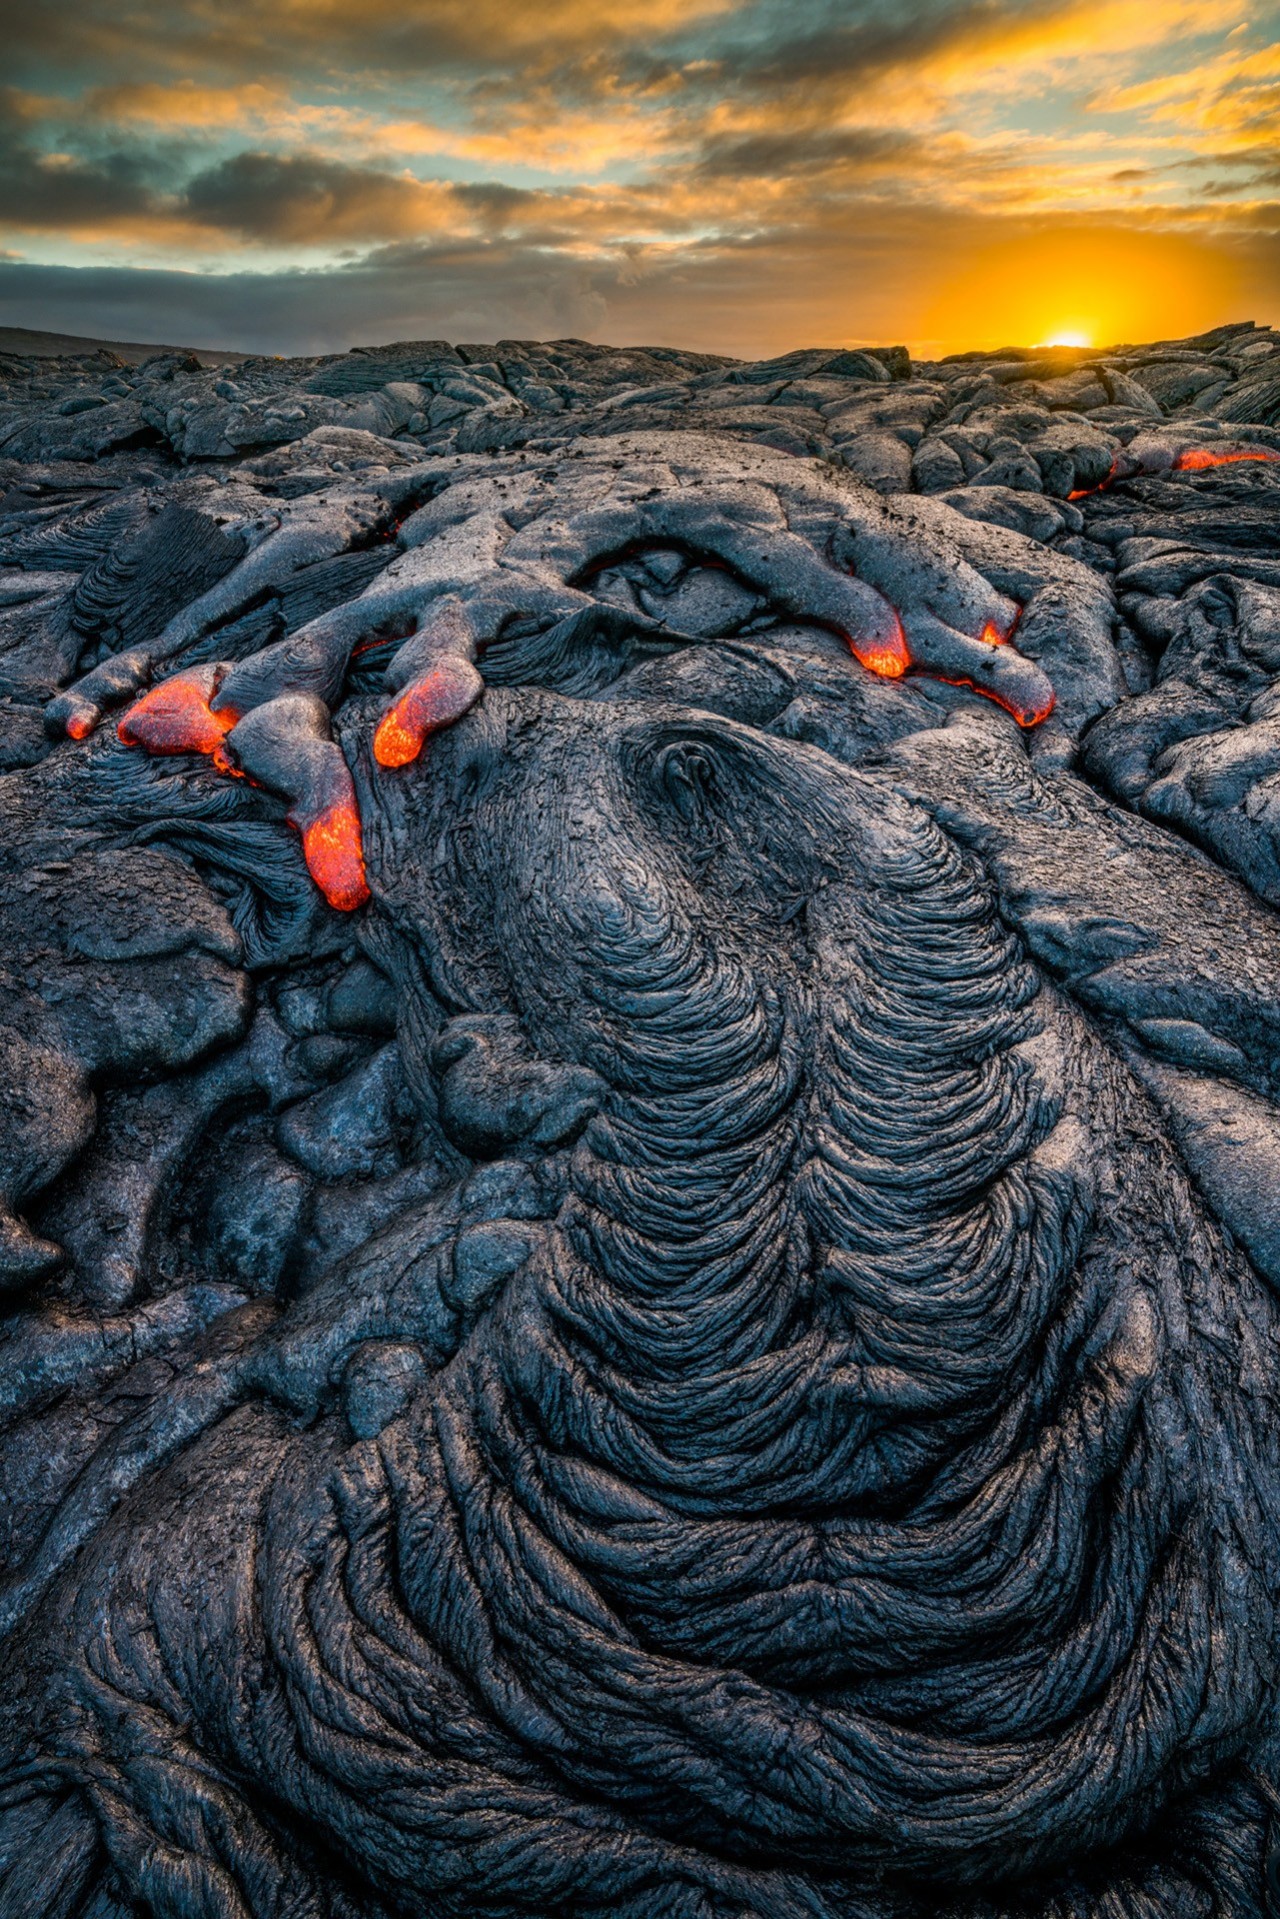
1029,707
985,662
335,859
1157,459
284,745
175,717
287,747
1025,715
1019,685
79,726
436,699
1196,459
886,657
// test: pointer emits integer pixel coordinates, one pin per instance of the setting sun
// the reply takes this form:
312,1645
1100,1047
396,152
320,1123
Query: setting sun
1115,286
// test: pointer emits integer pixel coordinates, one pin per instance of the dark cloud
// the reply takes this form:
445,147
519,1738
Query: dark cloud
494,200
1263,156
243,39
35,34
1245,172
310,198
304,197
1261,216
43,188
767,155
776,47
489,50
456,290
786,55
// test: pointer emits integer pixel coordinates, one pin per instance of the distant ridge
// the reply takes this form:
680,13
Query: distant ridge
28,344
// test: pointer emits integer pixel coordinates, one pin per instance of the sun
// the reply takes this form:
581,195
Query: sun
1067,339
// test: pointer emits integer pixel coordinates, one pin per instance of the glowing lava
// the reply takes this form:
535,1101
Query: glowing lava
436,700
1083,492
175,717
335,859
79,726
888,658
1196,459
1024,715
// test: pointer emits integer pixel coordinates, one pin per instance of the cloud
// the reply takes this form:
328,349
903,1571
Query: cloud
762,166
239,39
771,153
1240,75
45,188
938,281
311,199
187,104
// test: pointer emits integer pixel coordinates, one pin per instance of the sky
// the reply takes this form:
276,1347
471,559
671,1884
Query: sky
738,176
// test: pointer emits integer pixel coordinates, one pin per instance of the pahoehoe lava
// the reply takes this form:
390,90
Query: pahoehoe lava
639,1134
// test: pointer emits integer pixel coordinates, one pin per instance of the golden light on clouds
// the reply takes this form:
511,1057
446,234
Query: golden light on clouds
742,175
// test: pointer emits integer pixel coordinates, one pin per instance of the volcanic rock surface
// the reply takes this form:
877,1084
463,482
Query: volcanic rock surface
640,1134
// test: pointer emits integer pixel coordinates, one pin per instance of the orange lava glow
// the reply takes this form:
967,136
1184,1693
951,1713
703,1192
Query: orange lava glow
396,743
1083,492
887,659
436,700
335,859
175,717
1024,715
79,726
992,636
1196,459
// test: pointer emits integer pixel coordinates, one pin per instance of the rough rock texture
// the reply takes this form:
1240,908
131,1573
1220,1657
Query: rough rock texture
639,1135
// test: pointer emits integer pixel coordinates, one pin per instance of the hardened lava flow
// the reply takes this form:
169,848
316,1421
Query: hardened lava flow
638,1118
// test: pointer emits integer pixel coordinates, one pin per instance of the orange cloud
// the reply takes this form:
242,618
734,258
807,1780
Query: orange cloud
1174,93
535,134
185,103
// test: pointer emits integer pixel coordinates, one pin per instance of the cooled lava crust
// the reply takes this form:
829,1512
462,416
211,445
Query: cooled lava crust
639,1057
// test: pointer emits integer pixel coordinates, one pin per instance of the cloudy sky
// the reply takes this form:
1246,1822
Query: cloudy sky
739,175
